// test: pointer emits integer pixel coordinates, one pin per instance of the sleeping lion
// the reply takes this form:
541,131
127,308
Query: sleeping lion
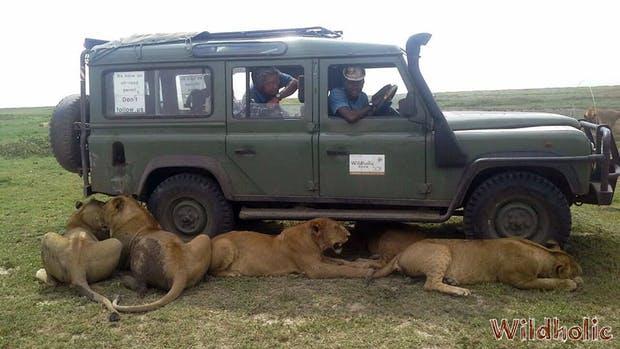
514,261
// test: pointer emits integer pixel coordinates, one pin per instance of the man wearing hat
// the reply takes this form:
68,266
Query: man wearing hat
350,102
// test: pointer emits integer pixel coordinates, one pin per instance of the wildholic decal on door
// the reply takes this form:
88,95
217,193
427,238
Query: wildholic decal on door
367,164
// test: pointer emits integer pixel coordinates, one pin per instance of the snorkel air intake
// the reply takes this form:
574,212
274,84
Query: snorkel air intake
448,152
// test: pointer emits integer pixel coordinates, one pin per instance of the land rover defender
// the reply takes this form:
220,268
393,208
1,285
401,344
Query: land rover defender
136,129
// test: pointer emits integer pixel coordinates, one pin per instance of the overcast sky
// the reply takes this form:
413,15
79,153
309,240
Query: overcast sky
476,44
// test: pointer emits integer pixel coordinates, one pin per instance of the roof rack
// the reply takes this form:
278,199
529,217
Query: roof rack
316,32
149,39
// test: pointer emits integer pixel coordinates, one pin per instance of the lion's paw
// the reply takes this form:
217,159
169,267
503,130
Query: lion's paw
464,292
571,285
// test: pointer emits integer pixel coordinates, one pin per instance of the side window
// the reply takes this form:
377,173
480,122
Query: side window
356,91
267,92
126,93
159,93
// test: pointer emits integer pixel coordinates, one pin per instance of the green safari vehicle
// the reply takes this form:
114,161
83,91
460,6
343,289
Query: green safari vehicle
170,120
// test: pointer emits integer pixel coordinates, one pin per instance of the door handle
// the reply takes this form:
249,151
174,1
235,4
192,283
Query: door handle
337,152
245,152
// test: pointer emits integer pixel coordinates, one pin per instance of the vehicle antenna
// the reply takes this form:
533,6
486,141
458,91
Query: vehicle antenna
593,99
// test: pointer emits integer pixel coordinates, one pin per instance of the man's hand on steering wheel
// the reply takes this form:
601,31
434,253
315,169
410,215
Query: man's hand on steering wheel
384,95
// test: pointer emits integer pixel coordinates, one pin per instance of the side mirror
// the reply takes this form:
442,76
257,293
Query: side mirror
301,88
407,107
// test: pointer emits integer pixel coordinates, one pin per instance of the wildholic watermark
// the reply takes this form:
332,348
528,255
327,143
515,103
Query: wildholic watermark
551,329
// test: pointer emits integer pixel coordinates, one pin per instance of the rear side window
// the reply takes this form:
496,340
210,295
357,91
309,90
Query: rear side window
165,93
274,92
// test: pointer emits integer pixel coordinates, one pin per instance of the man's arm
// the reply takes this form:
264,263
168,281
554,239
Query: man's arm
352,116
290,85
339,106
289,89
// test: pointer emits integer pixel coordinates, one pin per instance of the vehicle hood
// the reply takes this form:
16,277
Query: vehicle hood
480,120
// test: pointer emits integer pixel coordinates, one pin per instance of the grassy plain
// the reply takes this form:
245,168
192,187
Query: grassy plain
37,196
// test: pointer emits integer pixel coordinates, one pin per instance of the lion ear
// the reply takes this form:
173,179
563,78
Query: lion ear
552,245
78,204
315,227
559,269
118,203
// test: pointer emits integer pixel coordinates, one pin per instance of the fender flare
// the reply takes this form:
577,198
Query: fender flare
206,163
561,165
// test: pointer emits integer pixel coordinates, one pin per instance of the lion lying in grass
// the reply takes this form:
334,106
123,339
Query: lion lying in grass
156,257
387,239
514,261
78,258
298,249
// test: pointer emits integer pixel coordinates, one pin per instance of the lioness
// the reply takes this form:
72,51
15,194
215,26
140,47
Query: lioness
297,249
514,261
78,258
387,239
602,116
156,257
606,117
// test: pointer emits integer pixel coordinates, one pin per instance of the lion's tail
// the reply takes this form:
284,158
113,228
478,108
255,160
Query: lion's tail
385,271
178,285
86,291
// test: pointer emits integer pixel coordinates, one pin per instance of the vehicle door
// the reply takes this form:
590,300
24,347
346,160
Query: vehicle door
380,157
271,148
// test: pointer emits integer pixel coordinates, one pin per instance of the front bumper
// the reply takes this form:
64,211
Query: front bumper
606,167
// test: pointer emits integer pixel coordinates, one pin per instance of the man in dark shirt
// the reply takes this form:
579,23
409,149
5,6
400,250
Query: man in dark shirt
271,86
197,99
350,102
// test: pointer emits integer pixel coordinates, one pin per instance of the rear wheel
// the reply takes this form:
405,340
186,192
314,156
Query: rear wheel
191,204
518,204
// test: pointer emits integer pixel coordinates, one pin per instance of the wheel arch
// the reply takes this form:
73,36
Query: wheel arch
567,183
161,168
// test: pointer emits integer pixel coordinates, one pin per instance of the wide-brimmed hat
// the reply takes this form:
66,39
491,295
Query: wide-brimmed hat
354,73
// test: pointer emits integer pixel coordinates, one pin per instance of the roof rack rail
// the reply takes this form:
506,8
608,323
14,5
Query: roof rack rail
317,32
150,39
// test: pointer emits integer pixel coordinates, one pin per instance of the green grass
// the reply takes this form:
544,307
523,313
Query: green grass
571,101
24,132
37,196
21,123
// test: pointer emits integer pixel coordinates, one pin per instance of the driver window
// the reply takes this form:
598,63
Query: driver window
374,80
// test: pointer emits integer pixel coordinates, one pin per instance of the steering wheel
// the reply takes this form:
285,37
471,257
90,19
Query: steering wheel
384,95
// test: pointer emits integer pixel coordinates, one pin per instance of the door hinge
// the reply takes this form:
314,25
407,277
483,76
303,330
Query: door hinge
312,186
424,188
312,127
315,69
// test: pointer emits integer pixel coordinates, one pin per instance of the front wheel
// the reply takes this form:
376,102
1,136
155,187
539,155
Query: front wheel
191,204
519,204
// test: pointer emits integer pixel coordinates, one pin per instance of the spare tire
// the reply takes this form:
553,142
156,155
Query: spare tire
64,136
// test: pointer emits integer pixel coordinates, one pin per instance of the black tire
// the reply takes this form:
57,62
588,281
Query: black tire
64,137
190,204
518,204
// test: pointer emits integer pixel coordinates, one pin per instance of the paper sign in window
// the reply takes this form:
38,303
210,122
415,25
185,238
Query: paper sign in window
187,83
129,92
367,164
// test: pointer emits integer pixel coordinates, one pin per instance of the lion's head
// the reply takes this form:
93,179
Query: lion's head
328,233
590,115
89,215
565,266
120,210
